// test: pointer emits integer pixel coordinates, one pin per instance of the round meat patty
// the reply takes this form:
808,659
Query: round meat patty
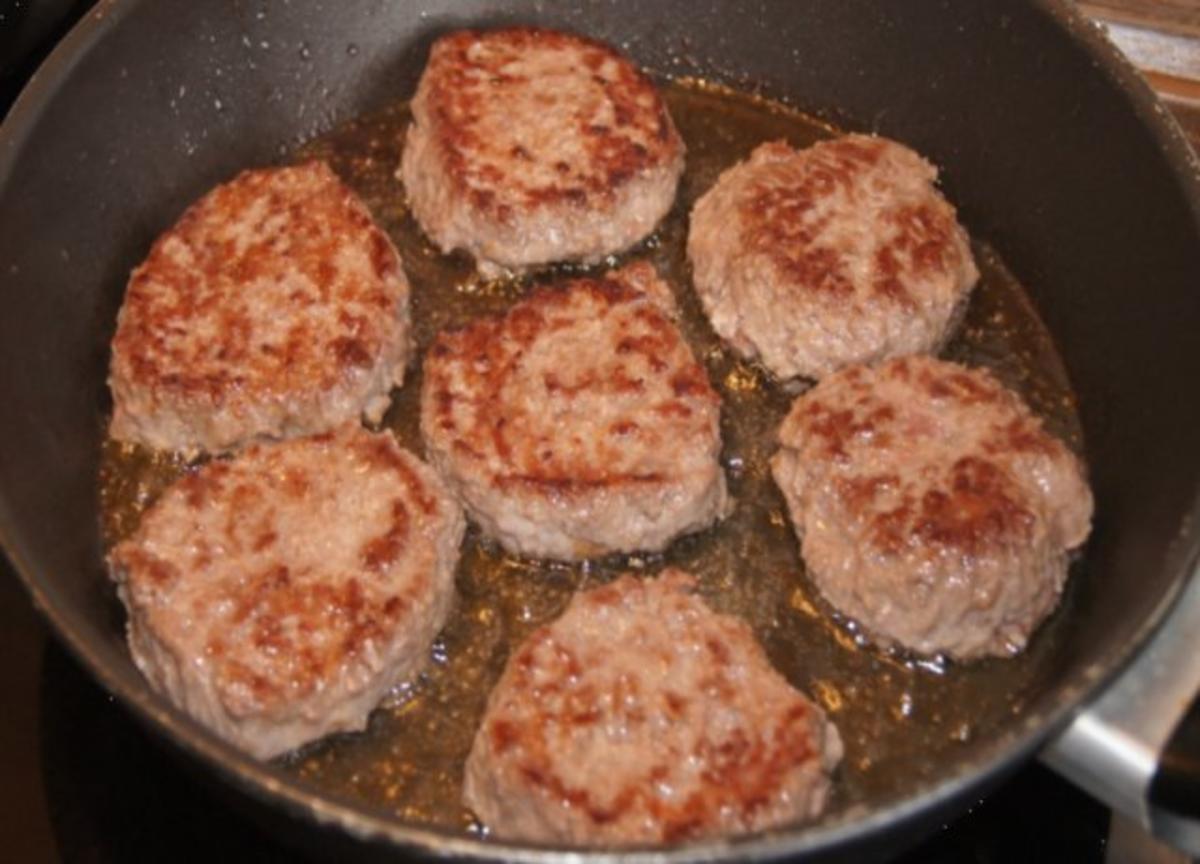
273,308
277,597
931,506
579,424
842,253
529,146
641,716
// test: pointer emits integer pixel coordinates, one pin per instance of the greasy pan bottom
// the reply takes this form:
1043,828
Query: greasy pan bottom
901,719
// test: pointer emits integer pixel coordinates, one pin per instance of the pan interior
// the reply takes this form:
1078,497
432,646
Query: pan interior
905,723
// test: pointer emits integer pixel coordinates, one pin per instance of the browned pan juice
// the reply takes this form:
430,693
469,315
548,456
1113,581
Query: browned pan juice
901,721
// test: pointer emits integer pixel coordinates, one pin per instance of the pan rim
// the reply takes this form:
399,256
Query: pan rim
271,786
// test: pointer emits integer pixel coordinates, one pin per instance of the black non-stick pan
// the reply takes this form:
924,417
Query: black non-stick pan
1051,147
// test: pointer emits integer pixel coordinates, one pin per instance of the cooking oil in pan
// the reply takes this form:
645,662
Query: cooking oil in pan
902,721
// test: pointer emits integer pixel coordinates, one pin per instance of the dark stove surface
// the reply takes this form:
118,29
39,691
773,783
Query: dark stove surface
80,781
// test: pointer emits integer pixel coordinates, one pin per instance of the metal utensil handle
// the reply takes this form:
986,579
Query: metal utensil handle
1137,747
1175,789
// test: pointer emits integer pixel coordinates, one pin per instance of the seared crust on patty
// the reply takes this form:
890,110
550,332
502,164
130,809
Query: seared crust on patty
278,596
641,716
931,506
530,146
578,424
274,307
841,253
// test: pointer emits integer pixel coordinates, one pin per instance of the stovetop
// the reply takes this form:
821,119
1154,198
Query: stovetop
81,781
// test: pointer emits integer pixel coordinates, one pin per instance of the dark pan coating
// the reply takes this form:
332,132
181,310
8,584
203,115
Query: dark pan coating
530,146
274,307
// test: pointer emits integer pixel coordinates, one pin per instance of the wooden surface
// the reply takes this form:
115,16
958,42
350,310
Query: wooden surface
1180,16
1161,38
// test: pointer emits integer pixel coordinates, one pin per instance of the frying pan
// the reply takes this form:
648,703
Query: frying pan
1050,145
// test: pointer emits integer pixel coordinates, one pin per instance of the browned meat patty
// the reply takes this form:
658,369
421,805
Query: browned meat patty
578,424
277,597
641,716
529,146
273,308
931,506
843,253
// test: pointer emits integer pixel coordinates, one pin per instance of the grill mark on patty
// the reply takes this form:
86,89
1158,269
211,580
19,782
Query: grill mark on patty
977,507
380,452
968,520
920,249
381,552
351,353
162,574
199,485
838,429
1022,435
960,386
266,539
577,483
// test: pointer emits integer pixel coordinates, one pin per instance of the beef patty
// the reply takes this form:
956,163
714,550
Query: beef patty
579,423
278,596
931,506
842,253
529,146
274,307
641,716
